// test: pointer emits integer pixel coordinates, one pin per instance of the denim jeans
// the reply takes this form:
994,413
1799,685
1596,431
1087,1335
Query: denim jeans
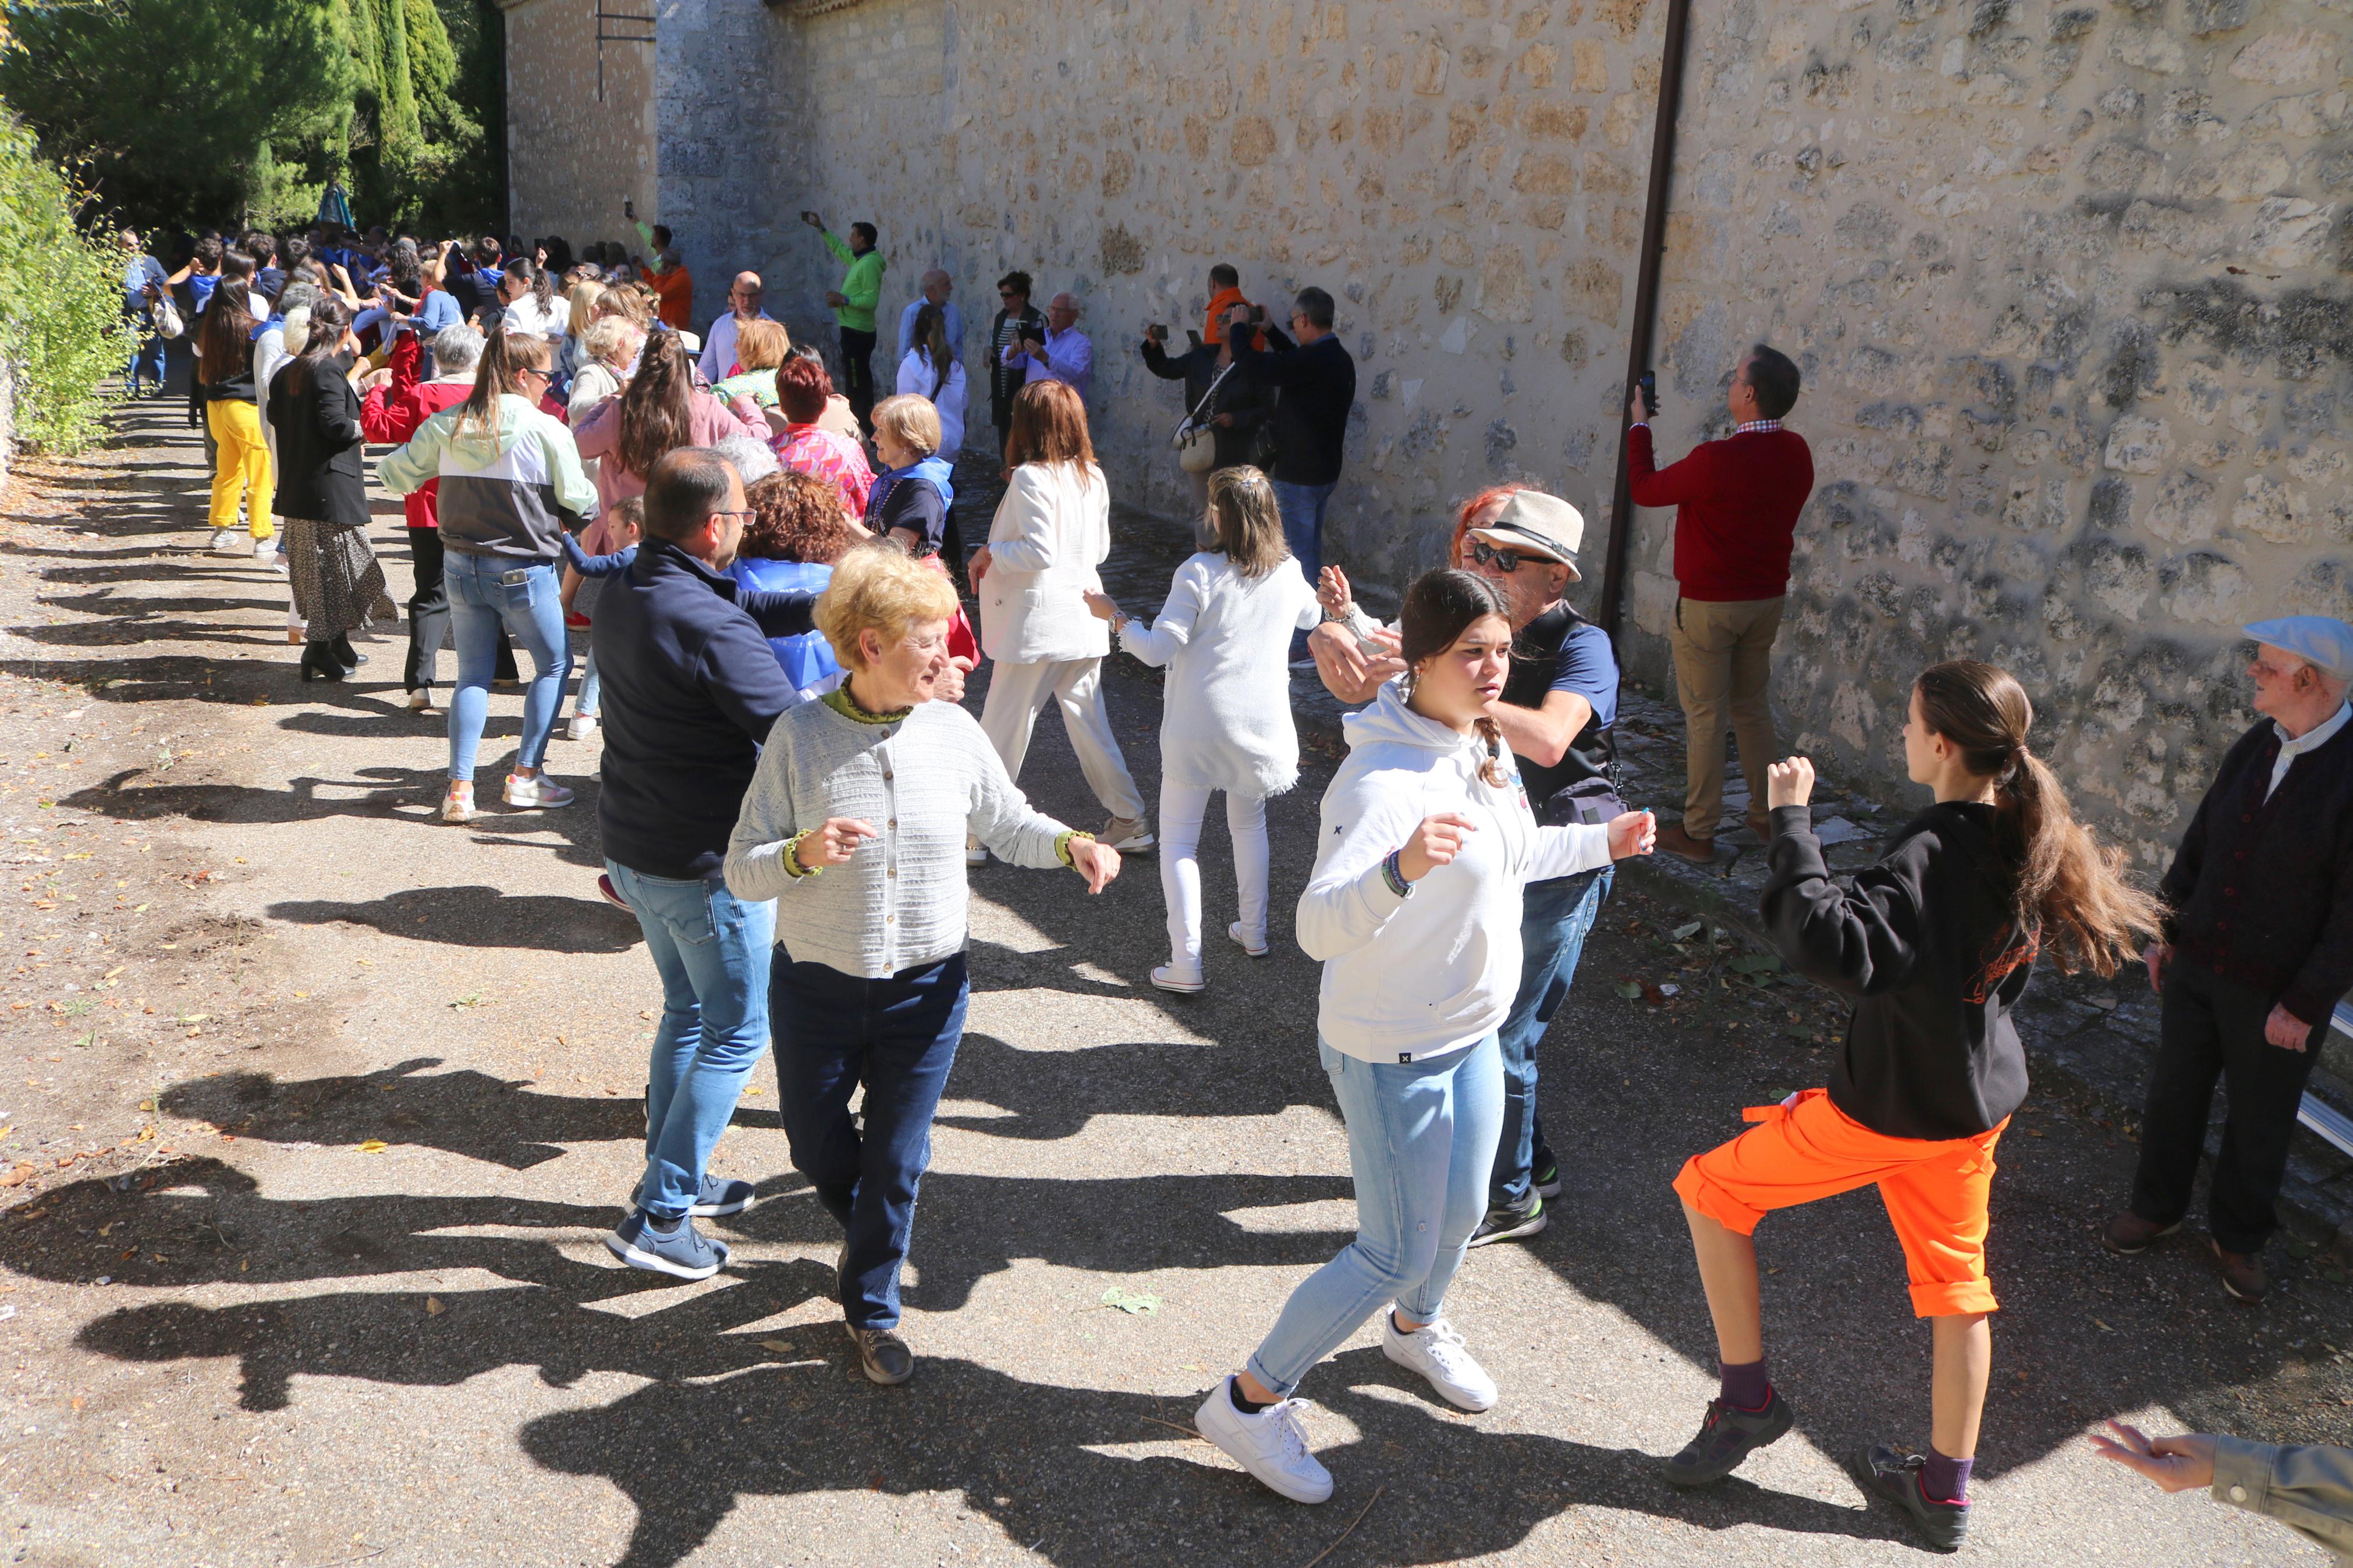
1301,507
152,356
712,951
1554,917
1421,1137
898,1036
487,592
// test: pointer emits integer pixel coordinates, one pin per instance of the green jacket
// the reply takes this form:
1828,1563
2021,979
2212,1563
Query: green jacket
862,285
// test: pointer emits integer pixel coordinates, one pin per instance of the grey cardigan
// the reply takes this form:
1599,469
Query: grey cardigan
921,781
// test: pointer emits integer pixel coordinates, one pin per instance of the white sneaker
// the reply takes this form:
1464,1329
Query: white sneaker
973,854
1269,1445
231,541
1435,1350
457,806
1168,977
583,725
1125,833
1244,941
277,561
419,701
537,793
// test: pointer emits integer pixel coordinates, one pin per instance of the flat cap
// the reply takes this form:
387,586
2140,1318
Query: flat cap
2322,641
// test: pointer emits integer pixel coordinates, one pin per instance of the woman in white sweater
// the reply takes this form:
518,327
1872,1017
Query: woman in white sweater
1414,909
1032,578
853,825
1225,725
930,370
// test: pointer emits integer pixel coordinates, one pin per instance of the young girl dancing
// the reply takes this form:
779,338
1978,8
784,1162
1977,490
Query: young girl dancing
1933,944
1225,634
1414,909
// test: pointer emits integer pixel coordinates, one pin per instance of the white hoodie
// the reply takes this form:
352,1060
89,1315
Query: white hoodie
1409,979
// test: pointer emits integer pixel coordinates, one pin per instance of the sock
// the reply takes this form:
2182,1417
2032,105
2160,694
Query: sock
1397,1328
1745,1386
661,1226
1946,1481
1247,1407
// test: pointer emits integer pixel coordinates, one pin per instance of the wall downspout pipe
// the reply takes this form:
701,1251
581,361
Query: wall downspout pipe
1646,300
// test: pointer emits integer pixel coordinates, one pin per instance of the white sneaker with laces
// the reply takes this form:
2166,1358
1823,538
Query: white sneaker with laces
1124,832
231,541
537,793
1256,947
457,806
1436,1352
1269,1444
583,725
1169,977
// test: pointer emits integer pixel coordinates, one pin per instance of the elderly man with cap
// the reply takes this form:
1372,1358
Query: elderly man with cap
1557,707
2256,952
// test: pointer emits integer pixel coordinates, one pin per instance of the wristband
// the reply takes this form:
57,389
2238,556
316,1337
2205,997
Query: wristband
1062,844
793,867
1393,873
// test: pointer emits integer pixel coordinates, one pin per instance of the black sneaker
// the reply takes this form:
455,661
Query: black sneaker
1511,1225
1896,1477
884,1355
1548,1179
1728,1435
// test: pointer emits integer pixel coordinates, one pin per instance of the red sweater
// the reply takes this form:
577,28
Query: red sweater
1736,503
394,414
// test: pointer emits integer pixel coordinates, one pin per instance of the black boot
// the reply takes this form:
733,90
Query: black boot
319,662
351,658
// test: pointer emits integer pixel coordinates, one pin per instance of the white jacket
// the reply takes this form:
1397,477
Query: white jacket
1225,718
1411,978
917,376
1050,532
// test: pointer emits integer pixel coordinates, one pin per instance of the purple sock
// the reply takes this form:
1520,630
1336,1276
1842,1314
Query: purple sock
1947,1480
1745,1385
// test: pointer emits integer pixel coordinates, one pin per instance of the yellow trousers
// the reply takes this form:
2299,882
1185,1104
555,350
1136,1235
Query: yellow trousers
242,469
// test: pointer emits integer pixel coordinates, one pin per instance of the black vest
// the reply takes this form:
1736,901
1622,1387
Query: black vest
1536,660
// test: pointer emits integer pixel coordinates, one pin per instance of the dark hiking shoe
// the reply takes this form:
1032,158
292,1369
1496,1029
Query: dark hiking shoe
2129,1235
1728,1435
2243,1274
882,1354
1895,1478
1511,1225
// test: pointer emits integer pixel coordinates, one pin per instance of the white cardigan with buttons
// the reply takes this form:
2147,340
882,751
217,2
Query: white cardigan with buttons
1050,532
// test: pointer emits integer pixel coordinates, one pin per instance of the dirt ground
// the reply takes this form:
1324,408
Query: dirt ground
320,1107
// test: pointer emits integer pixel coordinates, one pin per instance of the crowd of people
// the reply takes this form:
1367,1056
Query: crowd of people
792,794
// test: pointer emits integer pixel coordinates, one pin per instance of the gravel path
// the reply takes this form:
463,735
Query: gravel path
324,1105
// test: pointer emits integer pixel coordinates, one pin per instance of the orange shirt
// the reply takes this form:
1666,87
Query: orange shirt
675,287
1213,329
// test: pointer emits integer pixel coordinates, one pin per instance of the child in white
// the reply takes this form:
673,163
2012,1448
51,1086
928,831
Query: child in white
1414,909
1225,635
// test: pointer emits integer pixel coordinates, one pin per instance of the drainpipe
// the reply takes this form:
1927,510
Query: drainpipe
1646,298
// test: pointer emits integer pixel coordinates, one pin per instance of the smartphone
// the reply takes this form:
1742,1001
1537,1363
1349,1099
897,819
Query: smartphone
629,208
1158,333
1647,383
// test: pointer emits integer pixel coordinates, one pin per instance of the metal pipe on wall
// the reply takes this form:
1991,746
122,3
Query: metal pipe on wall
1646,299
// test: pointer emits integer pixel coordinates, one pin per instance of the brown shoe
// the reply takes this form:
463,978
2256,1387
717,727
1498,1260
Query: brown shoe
2243,1274
2129,1235
1675,841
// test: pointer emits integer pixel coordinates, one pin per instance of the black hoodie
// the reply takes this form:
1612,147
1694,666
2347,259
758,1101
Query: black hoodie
1924,943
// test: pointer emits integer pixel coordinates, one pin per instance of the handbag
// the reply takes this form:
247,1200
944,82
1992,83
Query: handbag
1195,441
163,317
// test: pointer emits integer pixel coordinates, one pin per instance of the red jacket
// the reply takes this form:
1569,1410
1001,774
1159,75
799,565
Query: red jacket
1736,503
395,413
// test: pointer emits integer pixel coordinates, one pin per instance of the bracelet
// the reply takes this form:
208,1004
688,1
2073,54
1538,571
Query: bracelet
793,867
1393,873
1062,844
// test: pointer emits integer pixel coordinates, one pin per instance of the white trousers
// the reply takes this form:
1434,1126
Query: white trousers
1182,808
1015,693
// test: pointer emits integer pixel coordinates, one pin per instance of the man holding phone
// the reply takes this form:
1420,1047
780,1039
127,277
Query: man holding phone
1736,503
1059,351
854,310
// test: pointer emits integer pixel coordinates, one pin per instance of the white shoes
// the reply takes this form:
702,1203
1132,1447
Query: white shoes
421,701
973,854
583,725
1435,1350
231,541
1125,833
1242,939
537,793
1168,977
1269,1444
457,806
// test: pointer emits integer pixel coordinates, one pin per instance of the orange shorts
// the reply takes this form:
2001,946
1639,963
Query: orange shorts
1934,1190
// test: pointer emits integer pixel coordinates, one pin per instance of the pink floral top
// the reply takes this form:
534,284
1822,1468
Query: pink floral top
821,454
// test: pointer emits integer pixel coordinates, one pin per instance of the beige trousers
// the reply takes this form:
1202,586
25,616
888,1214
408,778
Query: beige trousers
1724,659
1015,693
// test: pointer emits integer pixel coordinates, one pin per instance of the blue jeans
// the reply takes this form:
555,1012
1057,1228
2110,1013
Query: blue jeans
712,951
1554,917
898,1036
153,356
1421,1138
1301,507
487,592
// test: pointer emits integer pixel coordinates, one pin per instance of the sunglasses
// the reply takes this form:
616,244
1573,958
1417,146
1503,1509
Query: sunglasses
1505,560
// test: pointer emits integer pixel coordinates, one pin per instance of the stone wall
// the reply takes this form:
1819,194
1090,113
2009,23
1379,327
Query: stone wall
572,157
2067,281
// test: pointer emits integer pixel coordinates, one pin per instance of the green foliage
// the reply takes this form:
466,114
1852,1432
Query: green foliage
61,326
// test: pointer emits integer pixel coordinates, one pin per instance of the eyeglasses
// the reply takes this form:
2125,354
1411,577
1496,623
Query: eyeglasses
1505,560
527,370
1008,294
747,512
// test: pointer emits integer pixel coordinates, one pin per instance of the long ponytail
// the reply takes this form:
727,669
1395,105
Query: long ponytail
505,353
2061,883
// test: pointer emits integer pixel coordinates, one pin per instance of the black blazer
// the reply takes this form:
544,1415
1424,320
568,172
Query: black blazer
320,447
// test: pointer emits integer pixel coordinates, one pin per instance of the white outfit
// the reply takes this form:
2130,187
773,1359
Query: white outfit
531,319
916,375
719,346
1225,725
1051,532
1411,978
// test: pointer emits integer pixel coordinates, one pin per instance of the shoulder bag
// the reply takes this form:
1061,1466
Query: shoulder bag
1196,440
